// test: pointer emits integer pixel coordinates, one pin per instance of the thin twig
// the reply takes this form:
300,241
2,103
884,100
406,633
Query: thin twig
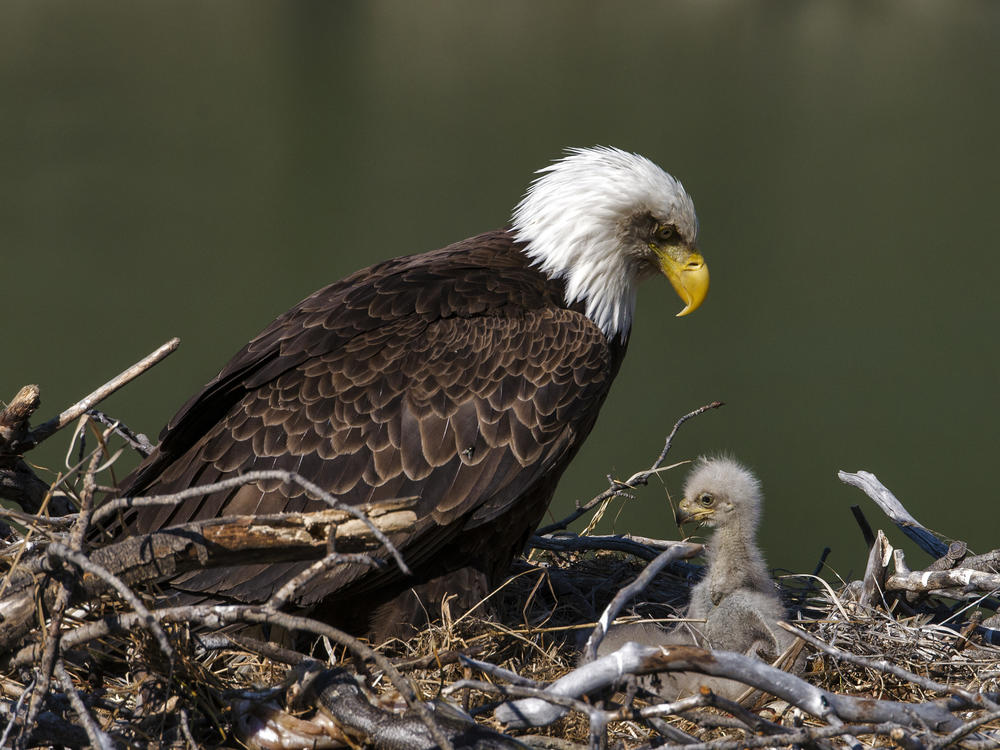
638,479
643,549
136,440
50,654
964,730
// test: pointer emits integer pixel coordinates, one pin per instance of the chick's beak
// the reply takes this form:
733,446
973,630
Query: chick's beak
688,512
689,278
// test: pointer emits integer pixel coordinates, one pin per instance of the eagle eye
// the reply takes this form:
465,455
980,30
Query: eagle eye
705,500
664,233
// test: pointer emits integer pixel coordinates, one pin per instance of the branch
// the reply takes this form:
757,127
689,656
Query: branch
942,580
871,486
640,660
87,402
638,479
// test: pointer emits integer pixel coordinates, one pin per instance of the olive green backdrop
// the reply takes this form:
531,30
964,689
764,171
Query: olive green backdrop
195,168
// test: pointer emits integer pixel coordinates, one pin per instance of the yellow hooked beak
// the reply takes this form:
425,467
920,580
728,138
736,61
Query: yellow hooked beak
689,278
688,512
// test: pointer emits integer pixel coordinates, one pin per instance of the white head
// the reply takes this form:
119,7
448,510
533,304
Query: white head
603,219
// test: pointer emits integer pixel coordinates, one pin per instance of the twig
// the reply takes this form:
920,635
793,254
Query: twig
965,729
97,737
941,580
186,730
644,549
802,736
136,440
678,551
51,650
498,672
873,583
523,692
638,479
866,528
25,694
80,407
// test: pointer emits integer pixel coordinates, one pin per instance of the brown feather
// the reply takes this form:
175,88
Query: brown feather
457,376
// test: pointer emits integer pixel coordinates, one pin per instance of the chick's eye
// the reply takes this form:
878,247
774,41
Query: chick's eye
705,499
664,233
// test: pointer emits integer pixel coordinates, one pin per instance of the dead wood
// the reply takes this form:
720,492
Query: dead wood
890,505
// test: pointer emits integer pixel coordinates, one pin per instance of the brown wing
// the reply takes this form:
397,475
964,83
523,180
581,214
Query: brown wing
473,399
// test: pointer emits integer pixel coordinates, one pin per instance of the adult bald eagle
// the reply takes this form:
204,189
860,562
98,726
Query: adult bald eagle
467,376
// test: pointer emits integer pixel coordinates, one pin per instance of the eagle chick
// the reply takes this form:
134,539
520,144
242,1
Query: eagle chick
735,607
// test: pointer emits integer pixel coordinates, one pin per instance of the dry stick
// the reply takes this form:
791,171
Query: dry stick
186,730
137,441
56,523
98,738
80,407
890,505
52,645
678,551
287,591
520,691
939,580
647,549
834,708
879,665
636,480
873,582
498,672
289,477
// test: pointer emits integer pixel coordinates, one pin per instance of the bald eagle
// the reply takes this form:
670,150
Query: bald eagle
467,377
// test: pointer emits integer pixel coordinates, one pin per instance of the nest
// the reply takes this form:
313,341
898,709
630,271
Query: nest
88,658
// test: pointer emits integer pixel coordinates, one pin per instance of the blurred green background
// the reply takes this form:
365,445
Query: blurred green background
195,168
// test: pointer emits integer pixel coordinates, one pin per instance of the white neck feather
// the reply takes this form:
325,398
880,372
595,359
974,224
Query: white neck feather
571,220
